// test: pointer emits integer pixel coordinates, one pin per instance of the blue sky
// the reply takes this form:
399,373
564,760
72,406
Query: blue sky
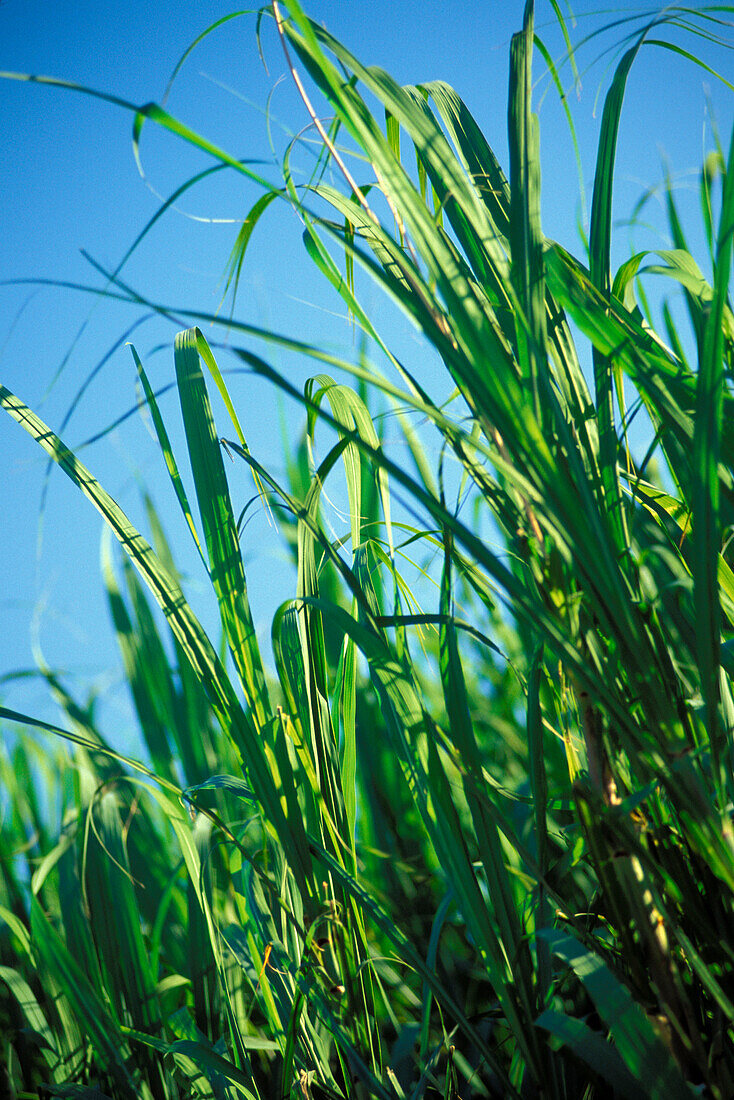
69,182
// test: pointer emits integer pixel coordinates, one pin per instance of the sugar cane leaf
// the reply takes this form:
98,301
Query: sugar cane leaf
644,1054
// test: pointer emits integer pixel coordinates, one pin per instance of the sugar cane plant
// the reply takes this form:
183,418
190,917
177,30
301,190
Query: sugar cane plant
479,845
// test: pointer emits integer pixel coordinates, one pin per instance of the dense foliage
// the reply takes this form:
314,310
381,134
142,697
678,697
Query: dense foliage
480,846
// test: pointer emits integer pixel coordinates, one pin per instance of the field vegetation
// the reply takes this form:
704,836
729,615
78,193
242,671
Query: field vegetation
464,836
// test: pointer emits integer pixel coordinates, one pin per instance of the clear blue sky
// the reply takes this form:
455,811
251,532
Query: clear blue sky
69,182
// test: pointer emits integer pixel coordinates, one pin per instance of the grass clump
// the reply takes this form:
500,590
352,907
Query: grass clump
478,847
